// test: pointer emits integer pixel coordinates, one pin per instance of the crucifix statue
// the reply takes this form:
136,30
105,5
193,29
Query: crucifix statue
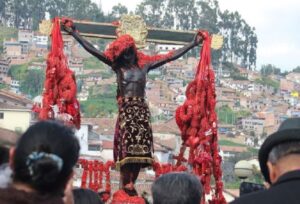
133,140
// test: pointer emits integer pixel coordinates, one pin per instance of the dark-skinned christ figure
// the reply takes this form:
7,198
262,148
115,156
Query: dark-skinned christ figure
133,140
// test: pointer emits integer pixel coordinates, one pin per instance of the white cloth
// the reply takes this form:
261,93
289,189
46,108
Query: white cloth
5,175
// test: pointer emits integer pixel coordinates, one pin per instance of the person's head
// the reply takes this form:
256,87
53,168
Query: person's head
4,155
283,158
122,50
128,56
280,153
44,157
86,196
177,188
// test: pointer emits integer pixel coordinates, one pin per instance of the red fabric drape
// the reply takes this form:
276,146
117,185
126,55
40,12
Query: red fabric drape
197,121
59,96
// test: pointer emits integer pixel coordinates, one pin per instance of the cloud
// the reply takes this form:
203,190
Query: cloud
280,55
107,5
278,49
276,24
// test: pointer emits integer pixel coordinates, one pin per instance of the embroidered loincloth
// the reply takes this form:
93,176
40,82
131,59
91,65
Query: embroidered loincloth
133,142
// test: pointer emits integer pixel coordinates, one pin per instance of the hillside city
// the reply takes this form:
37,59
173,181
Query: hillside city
249,107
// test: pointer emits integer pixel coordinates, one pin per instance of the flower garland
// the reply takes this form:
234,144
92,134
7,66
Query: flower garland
59,96
121,197
123,42
197,121
161,169
92,175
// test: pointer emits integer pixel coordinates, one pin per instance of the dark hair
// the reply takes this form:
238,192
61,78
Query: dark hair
129,52
177,188
86,196
4,154
45,156
283,150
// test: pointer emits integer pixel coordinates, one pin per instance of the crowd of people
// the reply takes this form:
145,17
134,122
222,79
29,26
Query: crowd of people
40,168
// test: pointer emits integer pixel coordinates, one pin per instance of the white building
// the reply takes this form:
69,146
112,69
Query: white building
25,36
90,144
4,67
15,111
40,41
165,48
15,86
254,124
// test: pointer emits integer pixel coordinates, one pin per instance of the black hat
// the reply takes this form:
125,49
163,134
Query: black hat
288,131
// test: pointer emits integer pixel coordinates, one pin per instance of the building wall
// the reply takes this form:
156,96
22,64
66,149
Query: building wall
40,41
4,67
107,154
15,120
163,157
13,50
253,124
82,135
165,48
25,36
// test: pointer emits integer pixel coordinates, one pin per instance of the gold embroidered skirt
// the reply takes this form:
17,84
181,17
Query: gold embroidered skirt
133,141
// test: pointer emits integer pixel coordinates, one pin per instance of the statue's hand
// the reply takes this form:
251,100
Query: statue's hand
197,39
68,25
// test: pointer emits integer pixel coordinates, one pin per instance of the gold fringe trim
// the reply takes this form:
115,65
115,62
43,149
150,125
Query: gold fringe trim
130,160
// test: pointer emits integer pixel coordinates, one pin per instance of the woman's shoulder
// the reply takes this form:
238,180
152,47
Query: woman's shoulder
11,195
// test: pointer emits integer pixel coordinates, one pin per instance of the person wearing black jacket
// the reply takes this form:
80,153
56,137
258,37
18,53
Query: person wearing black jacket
279,159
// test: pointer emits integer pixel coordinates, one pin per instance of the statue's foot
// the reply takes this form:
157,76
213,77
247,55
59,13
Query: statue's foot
130,190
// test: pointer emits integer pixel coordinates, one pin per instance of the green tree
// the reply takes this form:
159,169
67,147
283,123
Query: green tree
151,11
297,69
37,10
18,72
240,40
32,83
117,12
269,69
226,115
266,81
2,11
77,9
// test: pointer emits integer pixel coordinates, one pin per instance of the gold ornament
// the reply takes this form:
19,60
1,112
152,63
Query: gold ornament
45,27
134,26
217,41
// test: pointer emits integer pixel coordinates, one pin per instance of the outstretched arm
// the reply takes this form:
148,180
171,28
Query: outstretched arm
70,28
177,53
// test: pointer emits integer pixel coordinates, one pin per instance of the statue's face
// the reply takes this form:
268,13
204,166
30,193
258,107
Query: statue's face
129,55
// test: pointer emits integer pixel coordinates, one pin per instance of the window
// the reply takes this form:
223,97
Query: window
94,148
1,115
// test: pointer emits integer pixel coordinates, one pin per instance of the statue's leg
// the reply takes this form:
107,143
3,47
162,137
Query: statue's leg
129,174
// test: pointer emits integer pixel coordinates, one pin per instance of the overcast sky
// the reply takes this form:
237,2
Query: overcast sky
277,24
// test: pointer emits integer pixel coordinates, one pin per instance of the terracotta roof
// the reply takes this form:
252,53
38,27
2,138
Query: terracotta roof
168,126
8,137
102,126
159,147
16,97
10,106
167,143
107,144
